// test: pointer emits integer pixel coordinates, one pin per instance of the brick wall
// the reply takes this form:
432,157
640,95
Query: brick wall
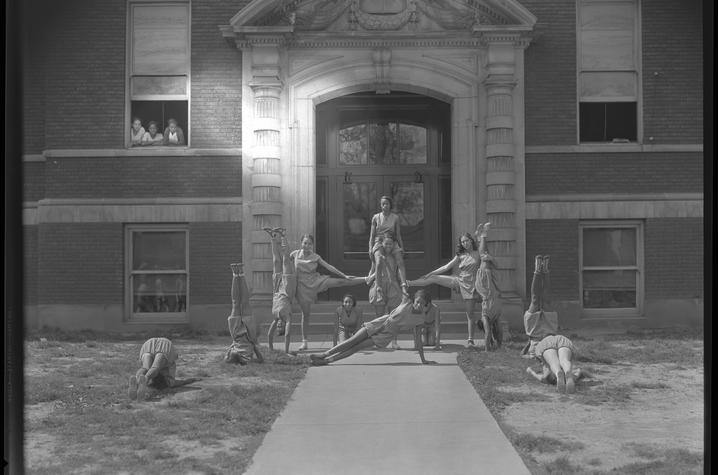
75,92
216,77
674,258
33,181
212,248
672,71
80,263
664,172
33,86
143,177
84,73
550,74
29,238
559,239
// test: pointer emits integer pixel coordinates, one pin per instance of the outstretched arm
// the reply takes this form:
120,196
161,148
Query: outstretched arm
445,268
331,268
541,377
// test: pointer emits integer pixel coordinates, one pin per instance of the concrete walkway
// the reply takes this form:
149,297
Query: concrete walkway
383,412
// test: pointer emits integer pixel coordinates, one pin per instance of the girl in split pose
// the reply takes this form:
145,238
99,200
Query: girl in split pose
380,331
467,261
310,282
387,290
284,287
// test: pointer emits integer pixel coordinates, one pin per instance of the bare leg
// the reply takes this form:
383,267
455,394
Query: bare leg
333,282
361,335
306,312
442,280
537,288
550,356
276,256
270,333
287,333
362,345
469,305
564,357
546,285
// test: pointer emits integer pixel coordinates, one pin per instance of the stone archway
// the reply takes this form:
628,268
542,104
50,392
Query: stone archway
290,66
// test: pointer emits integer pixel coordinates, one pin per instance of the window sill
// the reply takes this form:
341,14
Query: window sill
157,151
613,148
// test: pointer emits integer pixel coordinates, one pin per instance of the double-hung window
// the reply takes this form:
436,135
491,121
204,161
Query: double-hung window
158,70
608,70
157,273
611,268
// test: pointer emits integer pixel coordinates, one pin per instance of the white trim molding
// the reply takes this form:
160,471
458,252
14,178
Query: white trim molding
131,210
143,152
619,209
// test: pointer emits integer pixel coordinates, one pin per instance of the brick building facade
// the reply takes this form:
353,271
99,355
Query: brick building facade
621,215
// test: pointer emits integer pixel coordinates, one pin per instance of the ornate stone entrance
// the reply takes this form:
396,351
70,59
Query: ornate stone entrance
298,54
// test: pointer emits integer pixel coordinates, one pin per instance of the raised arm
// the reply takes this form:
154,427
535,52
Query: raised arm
541,377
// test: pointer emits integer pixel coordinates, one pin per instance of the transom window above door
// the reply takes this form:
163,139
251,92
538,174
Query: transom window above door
382,143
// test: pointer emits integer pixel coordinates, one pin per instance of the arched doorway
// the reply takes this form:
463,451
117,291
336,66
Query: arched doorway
370,145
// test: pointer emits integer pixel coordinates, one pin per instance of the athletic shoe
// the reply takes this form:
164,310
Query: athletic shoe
132,390
304,345
470,344
269,231
394,345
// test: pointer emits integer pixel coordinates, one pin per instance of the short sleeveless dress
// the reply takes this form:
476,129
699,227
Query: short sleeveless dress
466,280
309,281
384,329
382,224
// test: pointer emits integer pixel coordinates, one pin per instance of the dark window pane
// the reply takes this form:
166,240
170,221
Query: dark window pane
621,121
359,203
159,293
409,205
592,122
609,247
607,121
161,112
609,289
158,250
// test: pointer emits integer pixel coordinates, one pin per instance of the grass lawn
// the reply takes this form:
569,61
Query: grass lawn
641,413
79,419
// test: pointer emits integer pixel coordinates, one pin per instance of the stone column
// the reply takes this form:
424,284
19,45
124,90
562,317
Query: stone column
265,180
503,145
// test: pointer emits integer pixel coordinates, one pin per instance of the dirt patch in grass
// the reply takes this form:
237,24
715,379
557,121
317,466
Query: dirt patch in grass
79,419
641,412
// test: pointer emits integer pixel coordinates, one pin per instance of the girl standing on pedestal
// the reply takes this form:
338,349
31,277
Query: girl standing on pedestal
310,282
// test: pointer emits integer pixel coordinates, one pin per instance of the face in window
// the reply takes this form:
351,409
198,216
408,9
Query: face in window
136,124
153,129
172,125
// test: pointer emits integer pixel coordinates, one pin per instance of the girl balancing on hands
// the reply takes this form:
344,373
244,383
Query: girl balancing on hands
310,282
284,286
380,331
467,260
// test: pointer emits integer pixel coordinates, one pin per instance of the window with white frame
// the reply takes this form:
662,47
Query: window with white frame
158,69
158,272
608,70
611,261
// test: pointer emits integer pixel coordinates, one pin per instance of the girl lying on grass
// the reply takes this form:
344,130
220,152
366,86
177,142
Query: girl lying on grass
556,357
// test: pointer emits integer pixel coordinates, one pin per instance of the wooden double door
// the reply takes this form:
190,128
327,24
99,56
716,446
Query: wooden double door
370,146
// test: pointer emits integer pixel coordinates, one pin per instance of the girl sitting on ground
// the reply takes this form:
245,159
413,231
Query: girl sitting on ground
348,320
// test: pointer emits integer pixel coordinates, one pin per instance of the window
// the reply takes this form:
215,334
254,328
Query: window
382,143
158,68
608,73
611,268
158,276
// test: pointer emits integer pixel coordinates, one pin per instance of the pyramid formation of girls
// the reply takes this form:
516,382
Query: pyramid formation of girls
295,279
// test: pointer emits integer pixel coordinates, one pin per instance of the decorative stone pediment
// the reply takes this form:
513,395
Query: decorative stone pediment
294,20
